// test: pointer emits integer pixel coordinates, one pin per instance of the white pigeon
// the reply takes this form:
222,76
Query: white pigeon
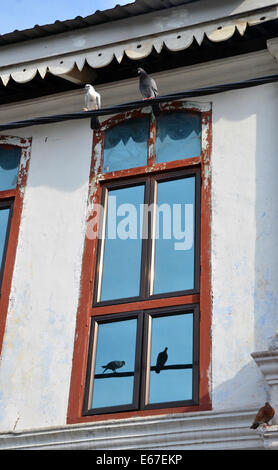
92,102
92,98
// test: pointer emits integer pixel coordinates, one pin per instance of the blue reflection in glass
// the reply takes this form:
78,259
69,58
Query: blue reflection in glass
174,381
4,219
116,341
125,145
178,136
175,227
123,244
9,164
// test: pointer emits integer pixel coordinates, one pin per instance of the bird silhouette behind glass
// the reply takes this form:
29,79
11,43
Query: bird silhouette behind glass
92,102
264,415
113,365
161,359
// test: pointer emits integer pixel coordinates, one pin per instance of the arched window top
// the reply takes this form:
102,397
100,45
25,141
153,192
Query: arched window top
9,166
142,139
178,135
125,145
148,232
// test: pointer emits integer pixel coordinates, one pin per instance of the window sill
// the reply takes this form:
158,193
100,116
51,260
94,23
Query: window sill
203,430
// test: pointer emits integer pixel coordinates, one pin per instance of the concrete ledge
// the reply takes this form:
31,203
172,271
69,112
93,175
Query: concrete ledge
270,437
267,361
209,430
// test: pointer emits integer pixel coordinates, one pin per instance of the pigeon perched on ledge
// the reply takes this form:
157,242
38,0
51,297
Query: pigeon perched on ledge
148,88
113,365
92,101
264,415
147,85
161,359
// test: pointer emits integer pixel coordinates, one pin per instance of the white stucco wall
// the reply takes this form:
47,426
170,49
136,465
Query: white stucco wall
244,228
36,360
38,344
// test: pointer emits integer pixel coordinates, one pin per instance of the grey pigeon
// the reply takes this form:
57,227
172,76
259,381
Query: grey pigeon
92,101
113,365
161,359
147,85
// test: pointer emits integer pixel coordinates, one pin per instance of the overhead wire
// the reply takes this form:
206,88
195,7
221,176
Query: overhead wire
124,107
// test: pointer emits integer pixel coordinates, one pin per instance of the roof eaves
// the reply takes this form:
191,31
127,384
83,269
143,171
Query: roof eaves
98,17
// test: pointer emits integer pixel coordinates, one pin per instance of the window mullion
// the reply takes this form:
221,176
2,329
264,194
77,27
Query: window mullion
145,354
151,141
147,238
197,266
100,248
152,234
139,361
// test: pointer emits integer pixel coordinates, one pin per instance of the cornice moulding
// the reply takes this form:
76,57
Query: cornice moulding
224,429
236,68
267,361
270,438
69,54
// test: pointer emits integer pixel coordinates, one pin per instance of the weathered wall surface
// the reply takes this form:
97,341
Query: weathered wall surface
36,359
38,344
244,224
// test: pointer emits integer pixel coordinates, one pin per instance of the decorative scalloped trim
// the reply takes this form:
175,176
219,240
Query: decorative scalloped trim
176,40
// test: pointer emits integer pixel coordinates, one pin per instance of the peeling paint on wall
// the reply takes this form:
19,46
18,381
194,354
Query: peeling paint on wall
35,367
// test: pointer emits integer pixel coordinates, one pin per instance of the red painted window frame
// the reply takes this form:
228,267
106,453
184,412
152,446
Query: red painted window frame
85,309
17,195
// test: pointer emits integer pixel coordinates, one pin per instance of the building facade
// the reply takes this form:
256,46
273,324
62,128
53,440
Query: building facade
152,233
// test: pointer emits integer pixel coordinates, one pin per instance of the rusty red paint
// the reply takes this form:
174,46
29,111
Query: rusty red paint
132,414
151,141
148,304
17,194
119,118
154,167
205,280
15,141
85,311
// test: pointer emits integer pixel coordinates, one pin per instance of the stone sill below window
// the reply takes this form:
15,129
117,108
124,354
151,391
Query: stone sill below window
207,430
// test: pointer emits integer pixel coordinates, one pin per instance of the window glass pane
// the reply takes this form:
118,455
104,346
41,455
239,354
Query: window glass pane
123,244
173,381
174,243
4,219
125,145
9,164
116,347
178,135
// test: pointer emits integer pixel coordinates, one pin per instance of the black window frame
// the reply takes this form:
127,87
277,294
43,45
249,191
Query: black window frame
148,244
143,344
